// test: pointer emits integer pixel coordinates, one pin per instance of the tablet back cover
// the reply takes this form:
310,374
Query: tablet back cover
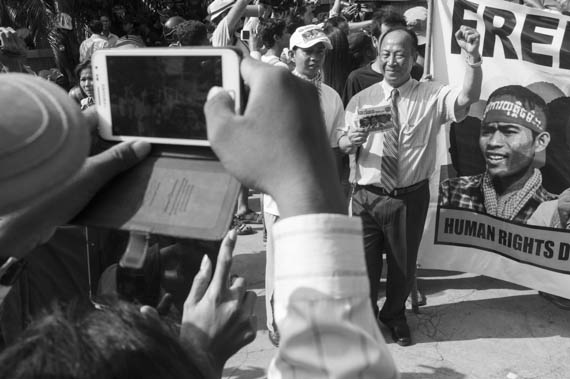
178,191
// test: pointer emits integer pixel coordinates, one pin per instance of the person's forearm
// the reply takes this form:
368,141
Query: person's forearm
235,14
335,9
359,25
471,90
317,193
322,297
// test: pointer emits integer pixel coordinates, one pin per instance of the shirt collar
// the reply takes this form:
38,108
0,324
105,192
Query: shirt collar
403,89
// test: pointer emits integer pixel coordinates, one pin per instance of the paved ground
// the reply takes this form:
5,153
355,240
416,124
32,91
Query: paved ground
472,327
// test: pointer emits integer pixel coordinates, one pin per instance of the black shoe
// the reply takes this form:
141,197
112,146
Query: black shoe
401,334
274,338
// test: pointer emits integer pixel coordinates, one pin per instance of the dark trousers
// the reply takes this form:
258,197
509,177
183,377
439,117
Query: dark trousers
393,224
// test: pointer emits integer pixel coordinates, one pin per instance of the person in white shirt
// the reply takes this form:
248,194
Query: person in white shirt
393,156
94,42
275,37
321,296
308,44
228,16
106,32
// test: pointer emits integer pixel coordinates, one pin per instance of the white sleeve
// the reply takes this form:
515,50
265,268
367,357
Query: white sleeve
221,36
351,114
447,97
338,121
322,303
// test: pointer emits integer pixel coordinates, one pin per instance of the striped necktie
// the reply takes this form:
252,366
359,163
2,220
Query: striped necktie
389,178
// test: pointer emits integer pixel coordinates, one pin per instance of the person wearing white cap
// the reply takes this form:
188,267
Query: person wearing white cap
308,44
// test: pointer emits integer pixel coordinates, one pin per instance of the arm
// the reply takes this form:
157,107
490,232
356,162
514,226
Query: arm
235,14
359,25
351,138
308,193
27,228
321,298
468,40
335,9
218,317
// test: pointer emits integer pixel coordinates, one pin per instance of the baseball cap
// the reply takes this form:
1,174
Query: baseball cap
217,8
43,139
416,19
307,36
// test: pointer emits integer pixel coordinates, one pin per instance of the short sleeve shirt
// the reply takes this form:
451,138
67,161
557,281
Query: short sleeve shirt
333,112
221,36
90,45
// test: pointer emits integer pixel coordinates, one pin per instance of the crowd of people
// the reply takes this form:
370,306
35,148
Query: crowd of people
343,92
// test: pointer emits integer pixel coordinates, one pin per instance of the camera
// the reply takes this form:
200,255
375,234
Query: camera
244,35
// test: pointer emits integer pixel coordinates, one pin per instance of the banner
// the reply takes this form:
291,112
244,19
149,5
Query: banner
520,46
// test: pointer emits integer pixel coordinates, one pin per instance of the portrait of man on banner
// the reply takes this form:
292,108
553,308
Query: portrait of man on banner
502,207
514,130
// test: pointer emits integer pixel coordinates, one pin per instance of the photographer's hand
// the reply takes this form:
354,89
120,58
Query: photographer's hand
23,230
218,317
279,145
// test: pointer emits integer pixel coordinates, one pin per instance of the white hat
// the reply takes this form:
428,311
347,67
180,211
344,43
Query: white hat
218,7
43,139
307,36
416,19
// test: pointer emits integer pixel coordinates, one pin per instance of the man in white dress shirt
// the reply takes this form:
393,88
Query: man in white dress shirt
391,136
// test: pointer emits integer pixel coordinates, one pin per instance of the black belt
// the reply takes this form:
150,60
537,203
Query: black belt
395,192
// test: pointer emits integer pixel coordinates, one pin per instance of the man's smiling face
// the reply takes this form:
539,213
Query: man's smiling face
508,149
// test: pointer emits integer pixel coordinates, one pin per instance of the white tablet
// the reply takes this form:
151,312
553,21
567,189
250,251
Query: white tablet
158,94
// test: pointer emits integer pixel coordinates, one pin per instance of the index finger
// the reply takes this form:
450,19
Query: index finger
224,264
250,70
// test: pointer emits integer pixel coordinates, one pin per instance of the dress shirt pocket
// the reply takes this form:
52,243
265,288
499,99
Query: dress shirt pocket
414,135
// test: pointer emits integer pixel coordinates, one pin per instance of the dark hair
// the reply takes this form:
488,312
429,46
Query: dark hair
117,342
337,64
409,32
96,26
130,20
529,99
361,49
387,16
80,67
292,22
191,33
334,21
269,29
